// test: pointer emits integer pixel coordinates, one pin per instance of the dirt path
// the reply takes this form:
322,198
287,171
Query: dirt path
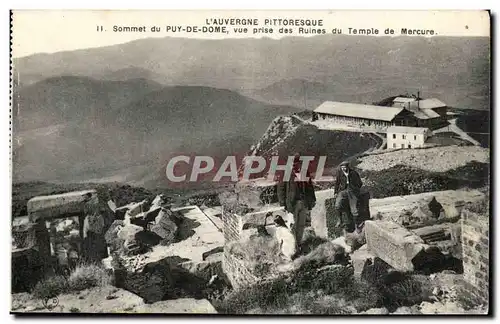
457,130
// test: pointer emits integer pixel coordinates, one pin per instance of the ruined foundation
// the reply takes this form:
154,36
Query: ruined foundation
475,247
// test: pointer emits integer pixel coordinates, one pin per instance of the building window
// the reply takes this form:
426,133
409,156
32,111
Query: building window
409,145
415,137
394,136
402,146
394,145
403,136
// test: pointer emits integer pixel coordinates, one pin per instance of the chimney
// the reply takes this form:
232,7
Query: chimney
418,100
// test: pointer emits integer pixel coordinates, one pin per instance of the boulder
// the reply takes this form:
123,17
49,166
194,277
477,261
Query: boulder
129,232
136,208
153,281
127,239
159,201
165,227
144,218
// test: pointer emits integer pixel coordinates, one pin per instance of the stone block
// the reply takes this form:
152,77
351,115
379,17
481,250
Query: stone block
265,215
153,282
48,207
256,192
393,243
359,258
165,227
324,221
203,269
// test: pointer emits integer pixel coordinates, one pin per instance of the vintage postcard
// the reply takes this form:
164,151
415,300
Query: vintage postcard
250,162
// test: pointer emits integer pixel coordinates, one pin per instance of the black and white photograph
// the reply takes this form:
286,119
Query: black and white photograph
250,162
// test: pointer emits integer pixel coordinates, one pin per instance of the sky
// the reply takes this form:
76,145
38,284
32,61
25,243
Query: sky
50,31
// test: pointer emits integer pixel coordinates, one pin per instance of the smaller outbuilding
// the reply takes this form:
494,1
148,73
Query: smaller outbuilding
406,137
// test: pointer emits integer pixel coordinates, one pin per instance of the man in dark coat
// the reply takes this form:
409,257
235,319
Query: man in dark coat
347,193
298,197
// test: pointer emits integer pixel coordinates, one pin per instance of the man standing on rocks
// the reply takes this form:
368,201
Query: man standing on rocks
298,197
347,193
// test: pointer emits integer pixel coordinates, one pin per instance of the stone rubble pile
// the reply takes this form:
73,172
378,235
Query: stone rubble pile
132,238
142,228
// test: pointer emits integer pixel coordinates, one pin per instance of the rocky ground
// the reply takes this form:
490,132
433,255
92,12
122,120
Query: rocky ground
174,275
436,159
107,299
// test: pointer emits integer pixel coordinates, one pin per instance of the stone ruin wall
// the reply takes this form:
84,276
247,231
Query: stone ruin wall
234,268
255,196
475,249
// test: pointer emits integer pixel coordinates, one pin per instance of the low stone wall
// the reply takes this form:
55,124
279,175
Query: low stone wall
236,271
475,247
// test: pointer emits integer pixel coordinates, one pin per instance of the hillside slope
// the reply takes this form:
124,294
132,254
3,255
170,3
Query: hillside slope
74,99
288,135
80,129
404,172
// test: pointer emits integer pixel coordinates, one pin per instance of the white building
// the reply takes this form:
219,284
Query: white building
406,137
352,114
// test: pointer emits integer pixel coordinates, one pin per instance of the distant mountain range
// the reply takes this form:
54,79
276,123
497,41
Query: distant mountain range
117,113
78,128
455,69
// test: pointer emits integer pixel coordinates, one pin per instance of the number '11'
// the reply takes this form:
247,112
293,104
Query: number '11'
100,28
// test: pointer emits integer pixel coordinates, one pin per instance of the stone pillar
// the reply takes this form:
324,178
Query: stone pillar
324,220
242,206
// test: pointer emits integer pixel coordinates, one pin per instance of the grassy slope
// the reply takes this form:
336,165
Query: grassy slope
404,180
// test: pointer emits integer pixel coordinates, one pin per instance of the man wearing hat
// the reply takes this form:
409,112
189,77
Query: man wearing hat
347,192
298,197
